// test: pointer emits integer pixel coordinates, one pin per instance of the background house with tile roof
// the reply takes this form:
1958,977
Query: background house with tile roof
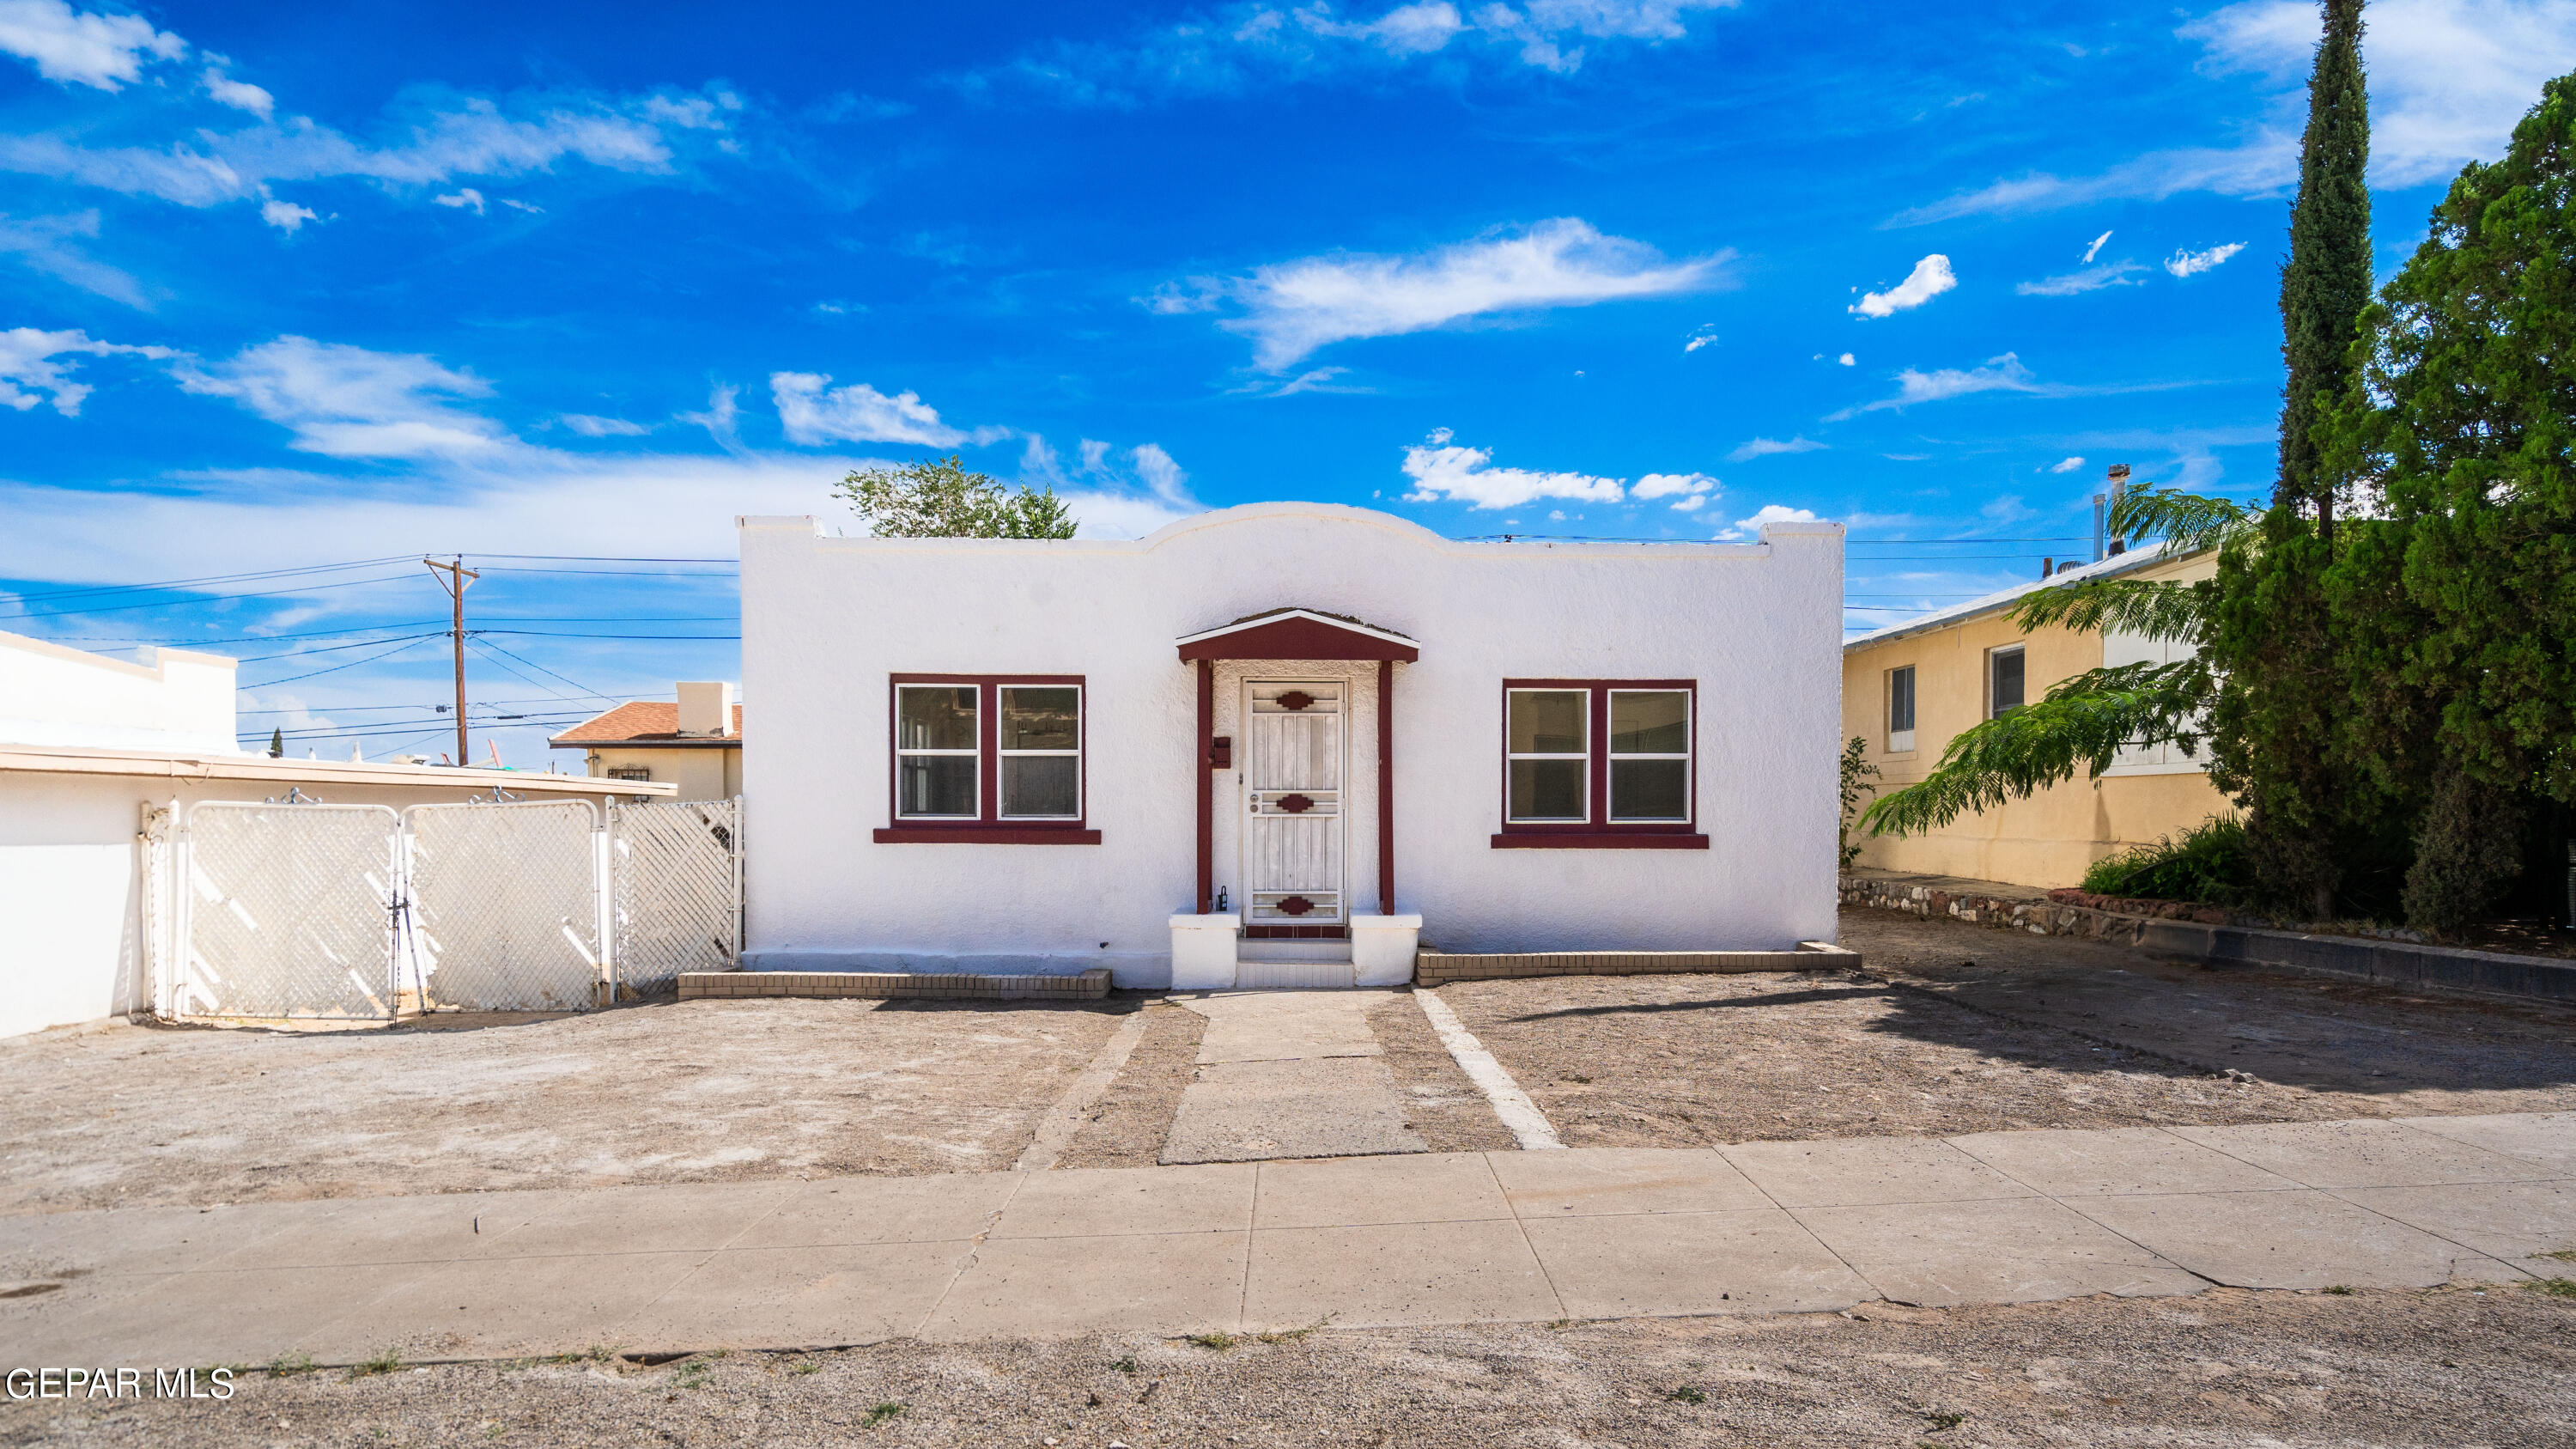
693,743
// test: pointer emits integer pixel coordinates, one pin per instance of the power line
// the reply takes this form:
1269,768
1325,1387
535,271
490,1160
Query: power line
202,599
541,669
352,664
215,579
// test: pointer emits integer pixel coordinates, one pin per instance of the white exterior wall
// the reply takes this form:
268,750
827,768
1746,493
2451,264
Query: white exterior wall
827,620
173,700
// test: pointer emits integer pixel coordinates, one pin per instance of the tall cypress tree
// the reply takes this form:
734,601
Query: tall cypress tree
2277,719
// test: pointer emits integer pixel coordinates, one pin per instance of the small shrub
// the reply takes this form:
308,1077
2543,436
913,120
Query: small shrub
1857,772
1128,1365
1686,1394
2554,1287
1220,1340
287,1365
383,1363
2339,1290
880,1414
1942,1421
2209,865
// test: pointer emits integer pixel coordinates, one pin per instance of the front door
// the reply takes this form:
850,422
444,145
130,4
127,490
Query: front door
1292,834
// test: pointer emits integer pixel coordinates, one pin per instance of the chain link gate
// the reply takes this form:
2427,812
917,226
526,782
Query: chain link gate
676,876
504,905
289,911
359,912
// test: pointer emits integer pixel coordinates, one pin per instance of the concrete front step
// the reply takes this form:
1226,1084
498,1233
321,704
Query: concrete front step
1434,968
1092,985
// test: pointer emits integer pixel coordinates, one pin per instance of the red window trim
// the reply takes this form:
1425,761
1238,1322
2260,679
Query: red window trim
988,828
1599,832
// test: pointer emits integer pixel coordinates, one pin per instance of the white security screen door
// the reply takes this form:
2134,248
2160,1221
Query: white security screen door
1292,778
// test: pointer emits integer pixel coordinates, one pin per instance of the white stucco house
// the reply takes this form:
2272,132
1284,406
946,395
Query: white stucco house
96,754
1276,744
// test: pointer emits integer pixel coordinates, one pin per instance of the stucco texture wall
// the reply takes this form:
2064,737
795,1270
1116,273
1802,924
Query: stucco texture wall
699,772
2050,838
828,620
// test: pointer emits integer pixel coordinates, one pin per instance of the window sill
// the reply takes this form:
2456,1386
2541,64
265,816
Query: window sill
987,835
1599,840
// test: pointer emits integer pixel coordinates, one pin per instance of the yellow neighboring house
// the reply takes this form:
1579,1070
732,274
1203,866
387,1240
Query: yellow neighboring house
1910,687
695,744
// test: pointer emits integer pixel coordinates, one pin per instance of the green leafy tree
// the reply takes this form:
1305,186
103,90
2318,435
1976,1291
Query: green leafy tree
277,743
2277,724
944,499
2465,593
2084,721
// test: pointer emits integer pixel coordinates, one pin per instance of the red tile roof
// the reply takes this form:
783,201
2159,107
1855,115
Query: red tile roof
641,722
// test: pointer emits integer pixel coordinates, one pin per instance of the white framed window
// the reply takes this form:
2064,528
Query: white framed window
1548,755
1900,710
1040,747
630,772
938,751
1650,756
2006,682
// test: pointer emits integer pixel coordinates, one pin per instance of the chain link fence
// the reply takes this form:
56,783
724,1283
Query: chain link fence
282,910
505,905
676,870
290,912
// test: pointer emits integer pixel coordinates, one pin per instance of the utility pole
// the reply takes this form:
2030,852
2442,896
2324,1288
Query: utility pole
458,576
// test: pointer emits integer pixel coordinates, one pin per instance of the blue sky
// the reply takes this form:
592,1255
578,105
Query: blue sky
295,287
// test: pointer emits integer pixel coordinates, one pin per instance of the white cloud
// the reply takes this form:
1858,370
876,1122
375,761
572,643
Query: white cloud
465,198
1999,374
2095,250
1753,448
857,413
1704,337
240,95
591,426
2448,81
1292,308
2090,279
1163,476
1244,45
349,402
1845,360
30,373
45,245
1692,489
1768,513
2185,263
517,205
2069,466
1443,471
285,215
1929,279
78,47
719,419
442,140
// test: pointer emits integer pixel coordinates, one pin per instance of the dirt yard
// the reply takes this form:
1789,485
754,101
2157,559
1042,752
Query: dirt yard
2447,1368
1959,1028
697,1091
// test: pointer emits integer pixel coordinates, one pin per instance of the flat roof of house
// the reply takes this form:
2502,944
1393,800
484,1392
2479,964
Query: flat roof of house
194,769
642,722
2112,567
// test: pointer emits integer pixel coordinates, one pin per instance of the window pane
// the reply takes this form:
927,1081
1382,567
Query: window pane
936,785
1041,719
1649,724
935,717
1649,789
1547,721
1547,790
1034,785
2008,680
1900,700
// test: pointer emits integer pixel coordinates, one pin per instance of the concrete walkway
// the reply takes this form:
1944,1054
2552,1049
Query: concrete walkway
1288,1074
1418,1239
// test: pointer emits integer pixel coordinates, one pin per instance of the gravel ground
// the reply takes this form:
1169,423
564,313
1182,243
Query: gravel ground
1126,1127
697,1091
1442,1106
1961,1028
2447,1369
